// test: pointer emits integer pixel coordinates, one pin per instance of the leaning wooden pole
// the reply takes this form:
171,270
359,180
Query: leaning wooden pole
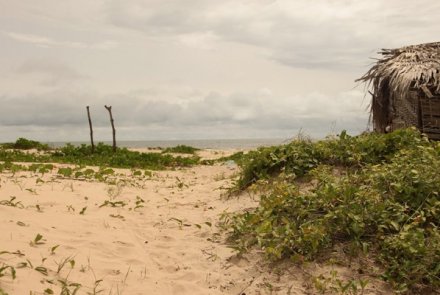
109,109
91,130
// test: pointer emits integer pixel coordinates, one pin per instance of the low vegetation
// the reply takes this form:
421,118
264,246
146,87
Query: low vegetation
26,144
375,195
181,149
102,156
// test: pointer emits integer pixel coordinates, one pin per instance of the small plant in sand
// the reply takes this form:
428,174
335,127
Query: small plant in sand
38,240
53,249
41,168
66,172
136,173
32,191
83,211
7,270
95,288
11,202
43,270
18,182
139,202
69,288
113,204
180,183
219,177
63,262
113,191
118,216
334,284
180,222
211,256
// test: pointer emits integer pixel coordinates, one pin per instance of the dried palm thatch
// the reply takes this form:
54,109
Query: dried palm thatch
399,72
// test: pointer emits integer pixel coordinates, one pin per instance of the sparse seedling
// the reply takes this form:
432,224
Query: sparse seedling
211,256
7,270
11,202
42,270
113,204
23,265
180,183
66,172
136,173
117,216
38,240
139,202
32,191
113,191
52,250
95,288
179,222
62,263
69,288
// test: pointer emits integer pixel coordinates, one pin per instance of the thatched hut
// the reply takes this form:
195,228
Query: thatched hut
405,89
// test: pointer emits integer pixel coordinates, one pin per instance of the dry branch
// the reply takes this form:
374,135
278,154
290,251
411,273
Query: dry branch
109,109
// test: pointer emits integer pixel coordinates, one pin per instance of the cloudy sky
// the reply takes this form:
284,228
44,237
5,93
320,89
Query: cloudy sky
195,69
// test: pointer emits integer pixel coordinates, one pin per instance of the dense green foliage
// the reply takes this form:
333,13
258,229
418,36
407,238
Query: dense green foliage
181,149
102,156
376,194
26,144
300,156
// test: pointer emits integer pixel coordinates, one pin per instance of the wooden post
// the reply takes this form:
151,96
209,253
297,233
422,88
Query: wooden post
109,109
91,130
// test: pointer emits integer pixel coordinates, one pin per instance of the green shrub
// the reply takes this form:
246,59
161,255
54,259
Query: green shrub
300,156
181,149
26,144
386,204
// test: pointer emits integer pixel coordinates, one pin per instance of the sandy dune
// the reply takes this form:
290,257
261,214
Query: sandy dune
169,244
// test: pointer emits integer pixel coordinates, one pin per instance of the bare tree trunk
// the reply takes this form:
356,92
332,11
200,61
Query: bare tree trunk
109,109
91,130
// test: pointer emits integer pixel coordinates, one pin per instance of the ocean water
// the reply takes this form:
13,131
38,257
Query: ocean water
199,143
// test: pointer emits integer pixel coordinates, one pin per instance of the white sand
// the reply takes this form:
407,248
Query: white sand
171,245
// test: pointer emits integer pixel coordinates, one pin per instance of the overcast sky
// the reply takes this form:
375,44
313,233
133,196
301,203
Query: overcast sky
196,69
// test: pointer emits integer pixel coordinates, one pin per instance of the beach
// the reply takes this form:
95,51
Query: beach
131,233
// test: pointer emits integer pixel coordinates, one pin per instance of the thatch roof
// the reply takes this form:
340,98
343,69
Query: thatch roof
399,71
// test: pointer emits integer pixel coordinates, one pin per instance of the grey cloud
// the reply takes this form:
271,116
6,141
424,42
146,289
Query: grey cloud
249,113
44,41
49,109
53,73
300,33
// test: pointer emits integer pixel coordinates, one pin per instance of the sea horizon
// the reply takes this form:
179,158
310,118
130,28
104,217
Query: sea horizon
197,143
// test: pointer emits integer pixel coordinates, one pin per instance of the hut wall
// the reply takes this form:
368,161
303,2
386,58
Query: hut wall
419,110
430,116
406,111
